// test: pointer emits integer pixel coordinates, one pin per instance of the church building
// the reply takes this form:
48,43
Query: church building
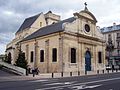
54,45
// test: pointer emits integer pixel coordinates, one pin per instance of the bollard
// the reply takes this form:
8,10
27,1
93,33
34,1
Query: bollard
85,72
70,73
112,70
97,71
33,74
107,71
116,70
61,74
103,71
27,73
78,73
52,75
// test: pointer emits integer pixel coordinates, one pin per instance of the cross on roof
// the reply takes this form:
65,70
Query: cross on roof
85,4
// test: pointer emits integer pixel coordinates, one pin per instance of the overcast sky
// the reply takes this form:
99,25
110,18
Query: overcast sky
13,13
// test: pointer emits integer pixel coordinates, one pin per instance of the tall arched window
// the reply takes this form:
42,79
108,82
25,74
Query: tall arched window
73,55
32,56
54,54
99,57
41,55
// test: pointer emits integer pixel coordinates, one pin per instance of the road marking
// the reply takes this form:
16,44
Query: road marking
38,81
110,89
59,89
94,86
54,84
85,87
101,80
79,87
65,83
79,84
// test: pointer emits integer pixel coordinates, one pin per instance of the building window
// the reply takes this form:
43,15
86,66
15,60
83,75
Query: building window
118,44
41,55
54,55
117,34
53,23
118,52
73,55
40,24
99,57
109,35
24,54
32,56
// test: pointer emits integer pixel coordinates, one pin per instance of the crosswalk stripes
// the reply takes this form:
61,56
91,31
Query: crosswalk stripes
38,81
74,85
84,87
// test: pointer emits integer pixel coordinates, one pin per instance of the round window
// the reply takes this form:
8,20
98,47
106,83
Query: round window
87,28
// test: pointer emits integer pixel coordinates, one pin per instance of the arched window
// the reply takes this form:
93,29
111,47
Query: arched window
9,58
40,24
73,55
41,55
32,56
54,54
99,57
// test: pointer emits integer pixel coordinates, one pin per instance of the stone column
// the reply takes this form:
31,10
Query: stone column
79,55
95,57
82,57
35,54
47,55
27,53
61,66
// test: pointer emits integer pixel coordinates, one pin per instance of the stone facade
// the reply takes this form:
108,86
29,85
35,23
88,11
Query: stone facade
112,33
74,44
41,20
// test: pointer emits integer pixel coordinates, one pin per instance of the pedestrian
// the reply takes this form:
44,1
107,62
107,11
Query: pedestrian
33,72
37,71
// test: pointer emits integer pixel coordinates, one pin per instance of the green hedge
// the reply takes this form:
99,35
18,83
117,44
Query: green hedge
1,66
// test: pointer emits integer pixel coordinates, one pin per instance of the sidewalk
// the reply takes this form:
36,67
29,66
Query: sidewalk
68,74
50,75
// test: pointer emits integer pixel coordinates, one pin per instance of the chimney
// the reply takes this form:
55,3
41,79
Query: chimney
114,24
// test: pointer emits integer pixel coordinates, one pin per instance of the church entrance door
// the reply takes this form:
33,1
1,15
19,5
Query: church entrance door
87,61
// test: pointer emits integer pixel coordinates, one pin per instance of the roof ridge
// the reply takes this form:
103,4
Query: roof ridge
52,28
28,22
34,15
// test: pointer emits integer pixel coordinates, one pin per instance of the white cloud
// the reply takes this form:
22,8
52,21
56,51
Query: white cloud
5,38
13,12
2,48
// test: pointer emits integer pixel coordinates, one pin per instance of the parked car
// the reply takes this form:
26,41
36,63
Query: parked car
116,67
108,67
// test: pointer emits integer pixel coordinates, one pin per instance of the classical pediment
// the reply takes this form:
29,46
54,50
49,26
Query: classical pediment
86,14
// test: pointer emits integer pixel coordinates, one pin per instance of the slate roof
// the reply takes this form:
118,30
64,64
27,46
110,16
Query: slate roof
28,22
110,28
53,28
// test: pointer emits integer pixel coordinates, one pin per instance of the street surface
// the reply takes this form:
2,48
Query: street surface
90,82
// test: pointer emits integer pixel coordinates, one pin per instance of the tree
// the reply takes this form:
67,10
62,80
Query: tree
8,58
21,62
109,48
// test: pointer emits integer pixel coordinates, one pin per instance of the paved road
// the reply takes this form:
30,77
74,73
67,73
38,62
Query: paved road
3,73
93,82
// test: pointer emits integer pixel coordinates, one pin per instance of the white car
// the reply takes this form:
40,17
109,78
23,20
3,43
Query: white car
108,67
